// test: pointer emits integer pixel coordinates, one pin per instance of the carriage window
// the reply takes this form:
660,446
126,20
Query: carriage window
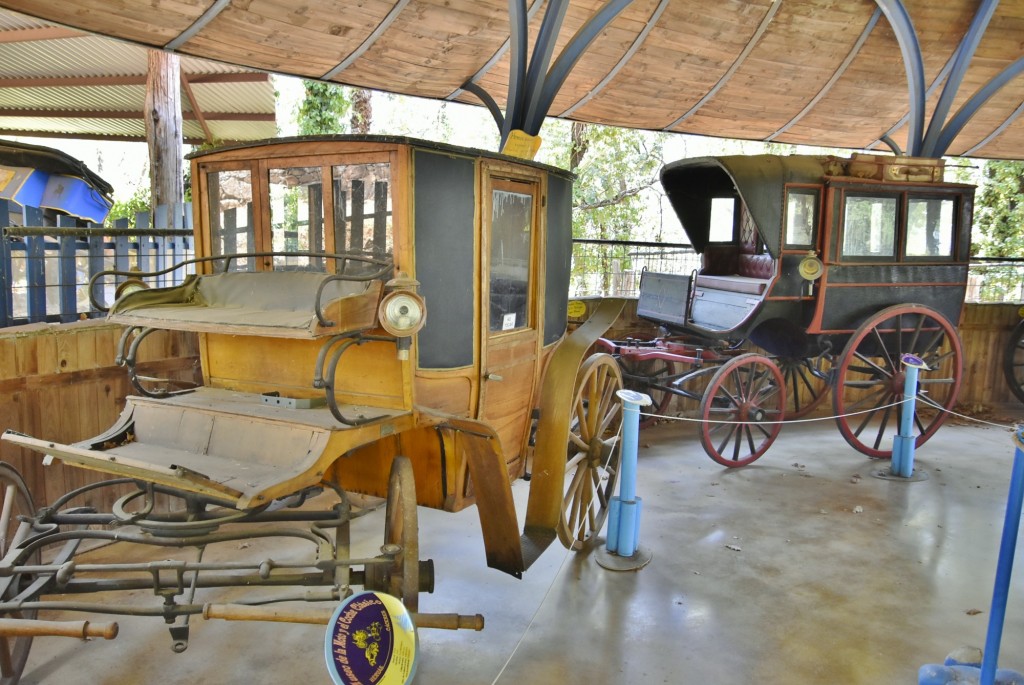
869,227
362,208
511,240
930,227
231,218
801,217
723,220
297,217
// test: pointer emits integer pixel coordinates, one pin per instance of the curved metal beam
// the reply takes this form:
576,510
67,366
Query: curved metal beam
496,57
205,18
518,34
640,39
732,69
571,54
999,129
368,43
899,19
854,51
488,101
543,48
976,101
939,78
896,150
964,53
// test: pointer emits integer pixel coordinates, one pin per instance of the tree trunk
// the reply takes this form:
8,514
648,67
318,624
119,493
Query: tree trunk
163,128
580,145
362,111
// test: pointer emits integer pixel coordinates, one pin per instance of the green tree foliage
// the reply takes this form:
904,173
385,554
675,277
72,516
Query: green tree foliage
999,210
999,219
127,209
616,186
324,109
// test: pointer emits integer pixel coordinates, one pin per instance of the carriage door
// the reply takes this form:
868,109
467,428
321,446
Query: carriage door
510,335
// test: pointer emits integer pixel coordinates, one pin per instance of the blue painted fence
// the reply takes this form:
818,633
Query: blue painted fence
46,262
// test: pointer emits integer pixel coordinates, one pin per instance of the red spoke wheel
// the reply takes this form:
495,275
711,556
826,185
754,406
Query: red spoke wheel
808,381
594,455
651,377
1013,361
742,409
15,502
870,377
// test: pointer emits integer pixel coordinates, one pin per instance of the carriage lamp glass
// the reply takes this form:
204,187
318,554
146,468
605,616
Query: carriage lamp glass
402,313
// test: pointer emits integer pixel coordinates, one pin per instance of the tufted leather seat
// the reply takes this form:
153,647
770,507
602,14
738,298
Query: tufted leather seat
756,266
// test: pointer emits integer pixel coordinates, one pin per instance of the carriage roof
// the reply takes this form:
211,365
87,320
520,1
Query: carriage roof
333,143
758,180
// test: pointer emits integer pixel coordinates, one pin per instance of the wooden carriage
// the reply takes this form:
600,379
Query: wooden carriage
819,272
375,315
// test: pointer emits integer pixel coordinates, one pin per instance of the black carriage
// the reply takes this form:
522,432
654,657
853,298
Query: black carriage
816,273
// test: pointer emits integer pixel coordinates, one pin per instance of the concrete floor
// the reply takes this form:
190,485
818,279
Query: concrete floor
802,568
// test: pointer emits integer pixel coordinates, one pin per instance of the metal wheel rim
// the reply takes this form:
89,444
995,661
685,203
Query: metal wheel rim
746,387
869,367
1013,361
593,455
16,501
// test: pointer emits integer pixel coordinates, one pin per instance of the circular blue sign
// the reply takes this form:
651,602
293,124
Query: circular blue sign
371,640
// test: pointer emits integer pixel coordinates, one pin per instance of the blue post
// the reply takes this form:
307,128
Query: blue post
1004,567
624,509
903,444
954,671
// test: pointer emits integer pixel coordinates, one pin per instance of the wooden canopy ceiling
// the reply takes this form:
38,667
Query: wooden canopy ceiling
849,73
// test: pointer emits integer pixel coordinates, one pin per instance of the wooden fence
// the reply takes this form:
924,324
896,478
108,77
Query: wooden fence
46,262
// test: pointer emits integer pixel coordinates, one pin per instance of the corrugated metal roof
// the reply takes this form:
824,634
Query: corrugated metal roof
61,82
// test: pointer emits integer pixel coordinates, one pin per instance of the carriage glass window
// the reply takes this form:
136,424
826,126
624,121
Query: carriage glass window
869,227
362,211
297,217
723,220
801,217
231,216
511,240
930,227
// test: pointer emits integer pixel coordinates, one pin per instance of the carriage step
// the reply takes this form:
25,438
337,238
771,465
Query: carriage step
23,627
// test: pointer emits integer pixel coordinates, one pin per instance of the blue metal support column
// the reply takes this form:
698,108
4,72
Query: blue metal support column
906,36
622,551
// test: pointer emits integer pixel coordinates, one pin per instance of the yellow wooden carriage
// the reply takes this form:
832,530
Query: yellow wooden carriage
375,315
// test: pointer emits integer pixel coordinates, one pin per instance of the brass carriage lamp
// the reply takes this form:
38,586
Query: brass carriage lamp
402,311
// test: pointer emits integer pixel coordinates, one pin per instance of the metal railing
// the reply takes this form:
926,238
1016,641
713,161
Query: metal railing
45,269
613,267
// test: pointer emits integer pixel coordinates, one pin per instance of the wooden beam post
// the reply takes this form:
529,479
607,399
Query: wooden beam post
163,128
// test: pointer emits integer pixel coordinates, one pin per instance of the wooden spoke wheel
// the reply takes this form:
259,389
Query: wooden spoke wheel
807,383
741,410
15,501
870,377
594,455
401,528
649,376
1013,361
